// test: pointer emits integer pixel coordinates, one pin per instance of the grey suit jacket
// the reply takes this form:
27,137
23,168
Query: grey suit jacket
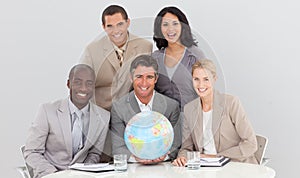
112,80
49,144
234,136
124,109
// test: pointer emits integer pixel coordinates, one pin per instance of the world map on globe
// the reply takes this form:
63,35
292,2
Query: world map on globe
149,135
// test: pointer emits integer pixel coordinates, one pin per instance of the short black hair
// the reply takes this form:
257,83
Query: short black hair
80,66
186,36
114,9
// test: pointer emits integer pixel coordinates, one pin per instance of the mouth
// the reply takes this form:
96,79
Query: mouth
144,88
171,35
82,94
202,90
117,35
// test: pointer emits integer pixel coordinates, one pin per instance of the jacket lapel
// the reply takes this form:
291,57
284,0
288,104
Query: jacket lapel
109,53
218,108
196,124
63,114
159,104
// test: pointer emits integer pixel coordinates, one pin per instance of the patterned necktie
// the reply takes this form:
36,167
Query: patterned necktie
120,56
77,132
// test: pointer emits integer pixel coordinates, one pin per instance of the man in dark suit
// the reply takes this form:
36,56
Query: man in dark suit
144,75
70,130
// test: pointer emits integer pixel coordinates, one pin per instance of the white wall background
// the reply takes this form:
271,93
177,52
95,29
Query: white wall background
256,42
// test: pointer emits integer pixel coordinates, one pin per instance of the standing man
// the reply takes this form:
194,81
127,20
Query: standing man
70,130
144,75
111,56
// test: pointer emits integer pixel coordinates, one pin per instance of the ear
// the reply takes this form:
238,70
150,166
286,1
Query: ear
131,78
68,83
128,22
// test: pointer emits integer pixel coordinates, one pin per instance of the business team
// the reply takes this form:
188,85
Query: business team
119,76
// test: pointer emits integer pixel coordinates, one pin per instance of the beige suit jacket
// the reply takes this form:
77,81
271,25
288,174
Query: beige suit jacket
49,144
234,136
112,80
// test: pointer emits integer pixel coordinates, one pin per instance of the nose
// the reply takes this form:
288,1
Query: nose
83,87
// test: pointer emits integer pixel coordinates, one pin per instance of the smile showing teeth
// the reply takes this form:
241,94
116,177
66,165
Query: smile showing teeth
117,35
81,94
171,35
202,89
143,89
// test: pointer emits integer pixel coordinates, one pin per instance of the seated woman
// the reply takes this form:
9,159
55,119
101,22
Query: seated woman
215,124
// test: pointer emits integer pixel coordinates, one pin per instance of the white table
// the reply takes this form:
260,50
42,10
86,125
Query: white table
167,170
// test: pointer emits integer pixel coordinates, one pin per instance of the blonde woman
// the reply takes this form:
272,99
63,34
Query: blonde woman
214,123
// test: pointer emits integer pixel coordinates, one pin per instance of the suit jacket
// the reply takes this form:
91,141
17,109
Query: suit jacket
49,145
112,80
234,136
180,86
124,109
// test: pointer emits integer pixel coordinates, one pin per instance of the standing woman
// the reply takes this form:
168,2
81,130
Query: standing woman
177,52
215,124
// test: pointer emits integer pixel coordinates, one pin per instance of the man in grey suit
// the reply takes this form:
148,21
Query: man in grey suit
70,130
144,75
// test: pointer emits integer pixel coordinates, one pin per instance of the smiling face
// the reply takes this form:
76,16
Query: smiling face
171,28
116,28
81,84
144,79
203,82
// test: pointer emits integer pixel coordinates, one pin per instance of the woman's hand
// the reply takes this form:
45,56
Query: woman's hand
180,161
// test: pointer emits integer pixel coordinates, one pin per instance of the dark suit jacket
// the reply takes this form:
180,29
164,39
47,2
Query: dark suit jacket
49,144
124,109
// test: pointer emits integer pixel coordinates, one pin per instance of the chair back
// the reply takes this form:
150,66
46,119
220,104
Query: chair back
29,169
262,143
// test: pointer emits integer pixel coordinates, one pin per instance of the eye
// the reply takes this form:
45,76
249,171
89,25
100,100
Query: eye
120,24
175,23
150,77
165,24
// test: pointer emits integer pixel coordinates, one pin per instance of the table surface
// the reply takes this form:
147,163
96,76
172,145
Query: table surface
167,170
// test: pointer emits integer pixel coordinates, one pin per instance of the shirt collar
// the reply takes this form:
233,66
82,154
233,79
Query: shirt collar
73,108
141,105
123,48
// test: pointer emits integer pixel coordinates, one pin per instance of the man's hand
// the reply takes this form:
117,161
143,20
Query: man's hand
149,161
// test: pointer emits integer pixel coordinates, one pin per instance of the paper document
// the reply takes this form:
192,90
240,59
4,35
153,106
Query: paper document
100,167
214,162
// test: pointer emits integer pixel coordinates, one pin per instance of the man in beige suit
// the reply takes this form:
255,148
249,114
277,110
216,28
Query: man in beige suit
55,141
111,57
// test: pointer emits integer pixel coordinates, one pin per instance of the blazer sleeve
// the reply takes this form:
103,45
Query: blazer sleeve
35,145
247,144
175,121
187,140
117,132
86,58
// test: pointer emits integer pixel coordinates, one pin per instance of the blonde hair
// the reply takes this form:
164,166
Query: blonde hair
205,64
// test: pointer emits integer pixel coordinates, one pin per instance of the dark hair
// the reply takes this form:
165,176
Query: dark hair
186,36
114,9
81,66
144,60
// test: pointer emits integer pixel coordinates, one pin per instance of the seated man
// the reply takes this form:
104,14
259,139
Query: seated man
144,75
70,130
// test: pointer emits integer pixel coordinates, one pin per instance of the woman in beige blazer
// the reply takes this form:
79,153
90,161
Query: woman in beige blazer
215,124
